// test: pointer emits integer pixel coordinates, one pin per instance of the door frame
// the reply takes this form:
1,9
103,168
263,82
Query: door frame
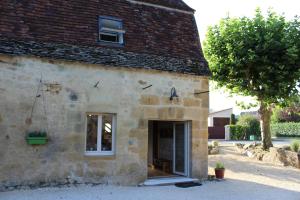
186,148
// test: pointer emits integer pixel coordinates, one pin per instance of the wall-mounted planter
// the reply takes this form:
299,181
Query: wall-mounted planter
36,138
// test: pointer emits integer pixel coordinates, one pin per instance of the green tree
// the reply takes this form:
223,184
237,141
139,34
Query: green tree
289,113
232,119
251,123
275,118
258,57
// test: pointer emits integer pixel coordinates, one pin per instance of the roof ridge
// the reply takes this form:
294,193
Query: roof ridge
217,111
175,5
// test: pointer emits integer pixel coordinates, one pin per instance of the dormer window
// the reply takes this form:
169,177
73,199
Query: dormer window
111,30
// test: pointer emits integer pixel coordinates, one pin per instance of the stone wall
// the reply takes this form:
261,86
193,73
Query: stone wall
70,92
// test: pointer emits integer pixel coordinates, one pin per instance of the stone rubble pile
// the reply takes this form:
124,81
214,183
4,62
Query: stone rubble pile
277,156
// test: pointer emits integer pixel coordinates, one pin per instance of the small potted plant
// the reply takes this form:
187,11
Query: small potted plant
36,138
219,170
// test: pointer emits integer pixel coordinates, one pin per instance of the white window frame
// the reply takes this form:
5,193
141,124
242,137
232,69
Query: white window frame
99,152
109,31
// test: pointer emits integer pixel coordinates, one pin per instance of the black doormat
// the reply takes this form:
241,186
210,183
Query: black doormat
187,184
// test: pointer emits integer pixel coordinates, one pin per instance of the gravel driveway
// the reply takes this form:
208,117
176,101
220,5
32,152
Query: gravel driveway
246,179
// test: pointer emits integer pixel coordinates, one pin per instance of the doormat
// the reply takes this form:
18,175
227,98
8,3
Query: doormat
187,184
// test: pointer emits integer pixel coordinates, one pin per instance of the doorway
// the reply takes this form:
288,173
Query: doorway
168,149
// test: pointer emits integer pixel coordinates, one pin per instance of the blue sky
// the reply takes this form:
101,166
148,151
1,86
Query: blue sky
209,12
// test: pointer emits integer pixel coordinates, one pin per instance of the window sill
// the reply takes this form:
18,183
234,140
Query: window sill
99,154
110,44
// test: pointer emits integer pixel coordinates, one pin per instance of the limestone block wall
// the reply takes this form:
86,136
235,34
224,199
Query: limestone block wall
70,93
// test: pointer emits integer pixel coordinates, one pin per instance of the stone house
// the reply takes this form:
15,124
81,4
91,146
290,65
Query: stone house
116,86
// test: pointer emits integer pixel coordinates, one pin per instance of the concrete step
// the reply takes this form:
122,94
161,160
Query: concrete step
167,181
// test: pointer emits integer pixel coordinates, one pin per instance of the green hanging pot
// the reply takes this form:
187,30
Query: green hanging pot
37,138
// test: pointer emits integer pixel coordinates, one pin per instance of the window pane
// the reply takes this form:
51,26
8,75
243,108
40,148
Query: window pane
92,127
109,37
108,23
107,133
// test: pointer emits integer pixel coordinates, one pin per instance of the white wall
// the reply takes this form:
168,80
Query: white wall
223,113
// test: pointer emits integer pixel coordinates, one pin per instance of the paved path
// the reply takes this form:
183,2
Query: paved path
246,179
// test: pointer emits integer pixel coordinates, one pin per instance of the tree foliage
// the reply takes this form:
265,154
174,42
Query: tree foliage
251,123
290,113
258,57
232,119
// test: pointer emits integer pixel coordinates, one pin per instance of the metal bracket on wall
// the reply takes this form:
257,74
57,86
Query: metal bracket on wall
196,93
147,87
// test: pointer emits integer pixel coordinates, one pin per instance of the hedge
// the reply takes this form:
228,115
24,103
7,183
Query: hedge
237,132
246,126
289,129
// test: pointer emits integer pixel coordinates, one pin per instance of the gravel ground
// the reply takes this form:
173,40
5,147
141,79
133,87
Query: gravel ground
245,179
277,142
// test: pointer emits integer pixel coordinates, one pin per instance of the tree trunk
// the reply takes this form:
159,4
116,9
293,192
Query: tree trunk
265,117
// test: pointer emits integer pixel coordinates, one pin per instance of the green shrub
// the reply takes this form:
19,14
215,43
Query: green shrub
290,129
220,165
252,125
295,146
237,132
288,114
215,143
37,134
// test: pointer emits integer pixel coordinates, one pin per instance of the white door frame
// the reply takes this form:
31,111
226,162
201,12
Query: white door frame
186,148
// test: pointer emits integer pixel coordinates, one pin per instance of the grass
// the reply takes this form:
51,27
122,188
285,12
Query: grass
295,145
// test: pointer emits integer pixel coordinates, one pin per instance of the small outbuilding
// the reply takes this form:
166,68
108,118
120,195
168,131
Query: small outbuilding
217,121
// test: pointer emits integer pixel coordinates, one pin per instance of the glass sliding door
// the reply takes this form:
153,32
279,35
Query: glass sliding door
180,144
